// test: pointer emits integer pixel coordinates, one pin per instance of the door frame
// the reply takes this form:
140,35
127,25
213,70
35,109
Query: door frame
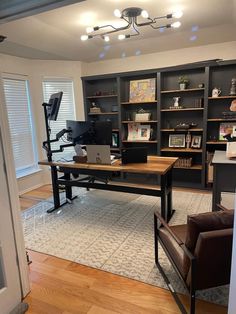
14,195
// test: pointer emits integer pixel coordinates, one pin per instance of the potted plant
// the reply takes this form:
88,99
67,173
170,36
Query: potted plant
183,82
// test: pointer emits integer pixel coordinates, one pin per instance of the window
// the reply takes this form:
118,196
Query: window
66,111
17,100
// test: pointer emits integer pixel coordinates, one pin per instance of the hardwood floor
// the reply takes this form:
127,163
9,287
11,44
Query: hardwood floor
62,287
33,197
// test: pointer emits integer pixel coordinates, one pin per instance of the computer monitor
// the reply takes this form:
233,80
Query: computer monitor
54,105
103,133
88,132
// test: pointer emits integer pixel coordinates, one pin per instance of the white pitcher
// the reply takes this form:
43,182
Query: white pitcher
216,92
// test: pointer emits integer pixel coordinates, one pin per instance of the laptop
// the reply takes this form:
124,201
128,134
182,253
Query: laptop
99,154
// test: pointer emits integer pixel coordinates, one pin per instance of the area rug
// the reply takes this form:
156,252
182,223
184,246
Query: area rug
113,232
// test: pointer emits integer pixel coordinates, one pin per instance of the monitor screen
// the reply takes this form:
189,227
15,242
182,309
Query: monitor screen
54,105
103,132
87,132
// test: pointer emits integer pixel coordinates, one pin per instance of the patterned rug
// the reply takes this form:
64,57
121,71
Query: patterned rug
113,232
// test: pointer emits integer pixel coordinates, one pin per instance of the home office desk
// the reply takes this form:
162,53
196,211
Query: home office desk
224,176
160,166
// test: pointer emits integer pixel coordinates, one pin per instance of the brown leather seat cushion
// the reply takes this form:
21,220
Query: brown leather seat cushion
206,222
174,249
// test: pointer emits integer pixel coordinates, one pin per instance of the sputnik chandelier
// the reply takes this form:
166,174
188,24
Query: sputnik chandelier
130,16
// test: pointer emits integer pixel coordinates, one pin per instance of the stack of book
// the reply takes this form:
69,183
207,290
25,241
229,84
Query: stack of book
229,114
183,163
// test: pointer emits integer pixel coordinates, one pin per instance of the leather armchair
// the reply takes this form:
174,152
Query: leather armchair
200,251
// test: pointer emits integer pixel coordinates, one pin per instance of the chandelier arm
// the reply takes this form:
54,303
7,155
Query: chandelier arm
113,31
134,27
104,26
162,17
145,23
163,26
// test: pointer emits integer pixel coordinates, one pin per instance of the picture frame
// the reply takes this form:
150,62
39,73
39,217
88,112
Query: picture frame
144,132
142,90
226,128
115,139
138,132
196,141
177,140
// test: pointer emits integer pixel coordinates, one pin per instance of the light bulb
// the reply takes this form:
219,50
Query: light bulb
89,29
121,36
176,24
84,37
117,13
144,14
177,14
106,38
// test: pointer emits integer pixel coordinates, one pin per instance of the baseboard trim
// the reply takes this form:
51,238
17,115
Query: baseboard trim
31,188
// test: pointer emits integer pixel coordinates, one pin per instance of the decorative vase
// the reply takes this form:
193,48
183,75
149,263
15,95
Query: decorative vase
182,86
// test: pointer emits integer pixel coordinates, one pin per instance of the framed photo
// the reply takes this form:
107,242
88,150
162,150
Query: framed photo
196,141
142,90
226,128
115,139
144,132
177,140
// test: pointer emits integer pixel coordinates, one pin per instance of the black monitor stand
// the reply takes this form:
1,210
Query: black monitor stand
47,143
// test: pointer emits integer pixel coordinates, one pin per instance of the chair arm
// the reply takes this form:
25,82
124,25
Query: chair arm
221,207
163,222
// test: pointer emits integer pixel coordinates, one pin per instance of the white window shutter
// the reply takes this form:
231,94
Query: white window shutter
20,122
66,111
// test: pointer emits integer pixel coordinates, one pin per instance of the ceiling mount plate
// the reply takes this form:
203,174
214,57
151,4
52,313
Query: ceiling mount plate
131,12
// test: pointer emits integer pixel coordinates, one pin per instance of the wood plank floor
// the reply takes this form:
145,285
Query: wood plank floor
62,287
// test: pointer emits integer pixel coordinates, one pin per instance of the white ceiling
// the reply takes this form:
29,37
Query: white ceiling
56,34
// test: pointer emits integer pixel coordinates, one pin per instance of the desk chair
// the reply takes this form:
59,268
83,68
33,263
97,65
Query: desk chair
199,251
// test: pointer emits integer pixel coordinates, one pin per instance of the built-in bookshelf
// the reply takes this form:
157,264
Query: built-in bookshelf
197,109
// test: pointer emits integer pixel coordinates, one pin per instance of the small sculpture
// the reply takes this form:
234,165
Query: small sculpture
233,87
176,102
188,139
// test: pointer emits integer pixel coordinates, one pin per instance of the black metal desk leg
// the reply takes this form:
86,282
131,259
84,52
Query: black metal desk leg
68,188
216,193
164,213
55,189
169,197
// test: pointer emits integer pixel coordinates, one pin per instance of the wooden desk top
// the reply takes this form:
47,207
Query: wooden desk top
155,165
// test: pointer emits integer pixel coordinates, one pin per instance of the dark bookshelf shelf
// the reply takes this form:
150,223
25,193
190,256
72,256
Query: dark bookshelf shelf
103,113
101,96
220,119
222,97
182,130
182,90
138,102
150,121
182,150
146,142
184,109
216,142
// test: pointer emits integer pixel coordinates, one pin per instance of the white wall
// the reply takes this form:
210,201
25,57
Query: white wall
36,70
226,51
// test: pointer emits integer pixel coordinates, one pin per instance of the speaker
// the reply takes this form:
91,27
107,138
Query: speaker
134,155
